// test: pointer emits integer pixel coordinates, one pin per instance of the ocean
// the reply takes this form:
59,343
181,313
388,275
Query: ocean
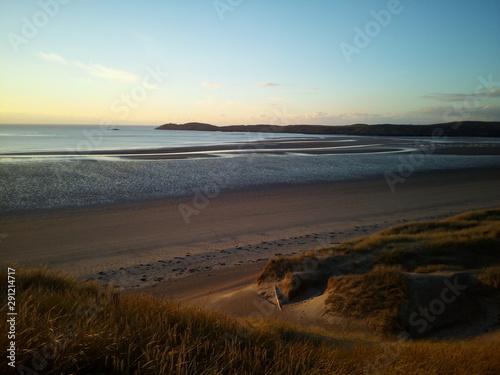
30,183
80,138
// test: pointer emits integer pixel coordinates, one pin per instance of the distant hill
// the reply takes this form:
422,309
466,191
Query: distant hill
451,129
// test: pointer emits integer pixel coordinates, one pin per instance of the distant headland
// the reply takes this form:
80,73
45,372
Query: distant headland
450,129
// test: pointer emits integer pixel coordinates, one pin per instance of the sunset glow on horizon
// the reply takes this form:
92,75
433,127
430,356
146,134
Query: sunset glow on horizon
249,62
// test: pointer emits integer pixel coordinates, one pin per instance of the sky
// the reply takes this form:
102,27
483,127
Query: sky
225,62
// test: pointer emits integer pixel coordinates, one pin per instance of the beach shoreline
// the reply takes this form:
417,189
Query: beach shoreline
149,245
309,145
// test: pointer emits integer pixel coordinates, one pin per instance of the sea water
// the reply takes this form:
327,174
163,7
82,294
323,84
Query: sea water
47,183
59,138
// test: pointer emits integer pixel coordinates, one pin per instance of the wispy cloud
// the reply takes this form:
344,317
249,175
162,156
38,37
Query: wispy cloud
457,97
268,84
212,85
309,90
96,70
428,115
101,71
452,113
52,57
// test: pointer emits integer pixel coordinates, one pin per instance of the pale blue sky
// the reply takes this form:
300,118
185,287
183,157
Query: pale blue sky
256,61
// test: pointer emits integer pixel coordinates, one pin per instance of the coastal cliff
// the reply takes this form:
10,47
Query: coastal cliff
451,129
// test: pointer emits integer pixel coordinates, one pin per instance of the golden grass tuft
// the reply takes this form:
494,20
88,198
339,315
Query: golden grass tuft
278,267
375,297
431,268
491,277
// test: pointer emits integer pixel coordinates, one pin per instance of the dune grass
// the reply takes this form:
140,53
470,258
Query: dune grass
491,276
438,268
470,240
466,241
69,327
375,297
367,278
278,267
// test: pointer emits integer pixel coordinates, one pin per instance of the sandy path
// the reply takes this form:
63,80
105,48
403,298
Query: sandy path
141,244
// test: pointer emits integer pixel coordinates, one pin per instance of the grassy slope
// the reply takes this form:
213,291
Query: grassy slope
67,327
466,241
374,277
76,328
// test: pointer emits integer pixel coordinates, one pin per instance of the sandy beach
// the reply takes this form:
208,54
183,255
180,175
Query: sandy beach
305,144
151,245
